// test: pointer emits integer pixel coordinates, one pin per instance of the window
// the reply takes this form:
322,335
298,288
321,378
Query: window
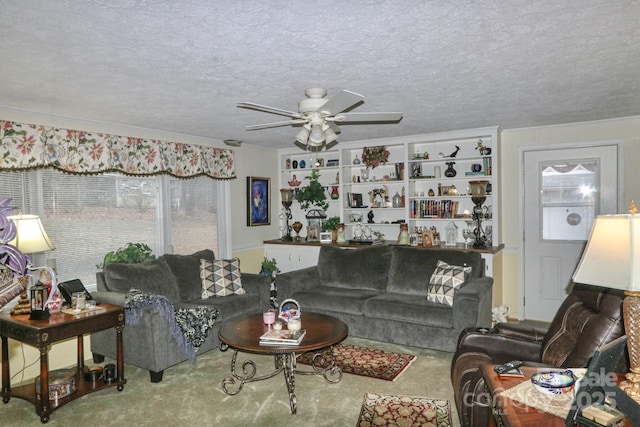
87,216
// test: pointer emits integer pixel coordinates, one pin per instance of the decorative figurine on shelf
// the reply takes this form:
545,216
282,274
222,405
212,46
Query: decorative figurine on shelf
294,182
356,161
370,216
455,153
450,172
484,151
403,237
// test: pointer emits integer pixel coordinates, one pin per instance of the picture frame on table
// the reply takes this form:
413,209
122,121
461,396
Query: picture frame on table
258,201
325,237
427,239
313,233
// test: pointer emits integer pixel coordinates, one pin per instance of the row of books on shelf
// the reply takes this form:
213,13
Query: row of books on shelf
282,337
354,200
433,208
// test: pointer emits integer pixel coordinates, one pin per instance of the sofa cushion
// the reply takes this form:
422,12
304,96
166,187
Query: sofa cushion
411,268
365,268
220,278
408,308
186,269
154,277
328,299
445,281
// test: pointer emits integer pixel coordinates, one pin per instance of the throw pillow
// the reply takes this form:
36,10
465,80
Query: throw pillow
220,277
445,281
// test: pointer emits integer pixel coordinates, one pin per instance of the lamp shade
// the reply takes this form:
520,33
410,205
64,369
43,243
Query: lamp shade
30,235
612,256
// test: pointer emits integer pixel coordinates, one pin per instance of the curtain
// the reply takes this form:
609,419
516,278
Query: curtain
28,146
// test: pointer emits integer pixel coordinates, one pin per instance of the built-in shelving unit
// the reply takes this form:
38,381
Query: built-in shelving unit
416,172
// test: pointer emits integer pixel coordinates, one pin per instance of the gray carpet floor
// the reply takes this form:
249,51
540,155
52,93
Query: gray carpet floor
192,395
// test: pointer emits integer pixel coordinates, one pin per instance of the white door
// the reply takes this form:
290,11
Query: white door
564,190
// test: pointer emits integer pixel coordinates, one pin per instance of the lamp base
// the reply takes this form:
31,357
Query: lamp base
631,312
631,385
39,314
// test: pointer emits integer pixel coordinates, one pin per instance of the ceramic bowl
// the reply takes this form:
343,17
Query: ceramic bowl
554,382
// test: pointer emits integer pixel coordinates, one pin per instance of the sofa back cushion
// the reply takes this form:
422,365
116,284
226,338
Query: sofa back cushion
186,269
153,277
411,268
590,317
365,268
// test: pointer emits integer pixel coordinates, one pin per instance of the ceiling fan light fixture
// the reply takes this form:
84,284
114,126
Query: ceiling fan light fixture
329,135
303,136
317,135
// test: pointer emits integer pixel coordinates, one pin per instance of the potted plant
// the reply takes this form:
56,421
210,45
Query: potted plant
313,194
131,253
331,224
269,267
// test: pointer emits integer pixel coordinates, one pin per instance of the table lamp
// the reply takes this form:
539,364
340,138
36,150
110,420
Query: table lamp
612,259
32,239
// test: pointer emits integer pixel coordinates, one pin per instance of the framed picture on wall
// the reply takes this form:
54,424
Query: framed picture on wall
258,201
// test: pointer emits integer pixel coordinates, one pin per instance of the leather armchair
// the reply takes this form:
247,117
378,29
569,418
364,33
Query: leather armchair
588,318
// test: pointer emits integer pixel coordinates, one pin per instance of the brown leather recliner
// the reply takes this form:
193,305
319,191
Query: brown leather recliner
588,318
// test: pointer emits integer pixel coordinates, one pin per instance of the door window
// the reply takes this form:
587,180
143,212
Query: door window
569,199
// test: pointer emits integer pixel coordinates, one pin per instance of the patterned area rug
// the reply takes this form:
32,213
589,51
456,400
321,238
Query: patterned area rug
403,411
366,362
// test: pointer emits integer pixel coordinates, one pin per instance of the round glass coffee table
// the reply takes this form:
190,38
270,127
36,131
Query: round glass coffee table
244,334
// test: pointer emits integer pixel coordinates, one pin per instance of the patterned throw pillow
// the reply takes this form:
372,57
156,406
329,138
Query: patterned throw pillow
445,281
220,278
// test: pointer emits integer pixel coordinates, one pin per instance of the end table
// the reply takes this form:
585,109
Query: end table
41,334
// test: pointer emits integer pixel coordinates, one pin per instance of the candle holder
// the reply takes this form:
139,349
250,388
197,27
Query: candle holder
287,199
478,197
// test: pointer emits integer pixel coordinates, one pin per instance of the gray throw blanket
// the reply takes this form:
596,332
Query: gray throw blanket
189,326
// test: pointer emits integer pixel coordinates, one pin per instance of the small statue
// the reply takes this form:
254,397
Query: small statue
455,153
370,216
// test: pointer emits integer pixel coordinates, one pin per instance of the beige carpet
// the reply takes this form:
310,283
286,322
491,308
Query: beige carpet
192,395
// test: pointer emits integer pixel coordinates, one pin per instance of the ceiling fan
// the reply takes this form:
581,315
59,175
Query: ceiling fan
319,117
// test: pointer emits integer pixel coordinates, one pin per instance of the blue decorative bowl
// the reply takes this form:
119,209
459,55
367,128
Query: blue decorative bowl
554,382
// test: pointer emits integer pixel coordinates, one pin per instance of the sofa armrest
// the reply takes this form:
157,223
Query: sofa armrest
472,304
109,297
297,280
500,348
520,331
259,285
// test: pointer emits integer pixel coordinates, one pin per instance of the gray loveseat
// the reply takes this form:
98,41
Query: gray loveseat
380,292
150,344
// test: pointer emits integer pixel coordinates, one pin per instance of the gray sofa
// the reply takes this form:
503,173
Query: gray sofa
150,344
380,293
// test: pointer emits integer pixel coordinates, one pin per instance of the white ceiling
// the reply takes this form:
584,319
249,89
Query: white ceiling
182,66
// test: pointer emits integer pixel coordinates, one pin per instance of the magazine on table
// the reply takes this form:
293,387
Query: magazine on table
282,337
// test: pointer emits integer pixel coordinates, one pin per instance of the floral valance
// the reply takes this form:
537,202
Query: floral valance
27,146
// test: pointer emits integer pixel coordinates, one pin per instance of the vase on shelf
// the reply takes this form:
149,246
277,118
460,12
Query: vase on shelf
335,195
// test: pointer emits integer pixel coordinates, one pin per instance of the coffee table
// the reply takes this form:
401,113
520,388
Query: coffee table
244,335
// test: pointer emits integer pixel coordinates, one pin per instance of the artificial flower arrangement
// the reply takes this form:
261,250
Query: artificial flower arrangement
375,156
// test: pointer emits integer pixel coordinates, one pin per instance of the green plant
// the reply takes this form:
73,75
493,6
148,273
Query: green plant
269,266
131,253
330,223
313,194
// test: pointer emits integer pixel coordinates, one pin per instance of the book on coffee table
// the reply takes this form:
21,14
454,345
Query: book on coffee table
282,337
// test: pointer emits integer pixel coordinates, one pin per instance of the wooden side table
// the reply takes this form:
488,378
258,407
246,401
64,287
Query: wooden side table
508,413
41,334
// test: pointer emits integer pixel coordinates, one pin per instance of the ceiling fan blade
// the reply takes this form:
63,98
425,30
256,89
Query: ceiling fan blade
350,118
276,124
272,110
343,101
334,127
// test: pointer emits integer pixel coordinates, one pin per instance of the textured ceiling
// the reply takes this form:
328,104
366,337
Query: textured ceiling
182,66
